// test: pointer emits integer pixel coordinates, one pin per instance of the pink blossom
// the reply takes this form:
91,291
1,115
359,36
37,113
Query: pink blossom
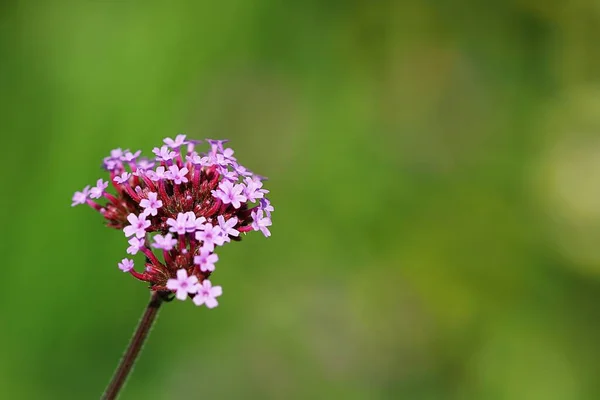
135,244
151,204
126,265
229,193
206,260
207,294
164,242
183,285
81,197
209,236
138,225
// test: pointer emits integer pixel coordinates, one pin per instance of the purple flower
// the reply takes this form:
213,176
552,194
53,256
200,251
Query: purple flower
227,174
113,162
195,159
138,225
144,164
116,154
183,285
266,206
216,146
193,224
227,227
158,175
98,190
177,175
164,242
177,208
261,223
228,156
207,294
81,197
214,159
179,140
151,204
129,156
126,265
253,189
178,225
164,154
206,260
135,244
241,170
210,235
229,193
123,178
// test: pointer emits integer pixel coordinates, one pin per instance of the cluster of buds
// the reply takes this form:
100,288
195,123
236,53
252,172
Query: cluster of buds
176,209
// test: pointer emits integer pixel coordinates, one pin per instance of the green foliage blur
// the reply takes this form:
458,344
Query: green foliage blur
435,172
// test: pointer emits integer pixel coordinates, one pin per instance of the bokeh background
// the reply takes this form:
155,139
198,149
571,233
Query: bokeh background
435,172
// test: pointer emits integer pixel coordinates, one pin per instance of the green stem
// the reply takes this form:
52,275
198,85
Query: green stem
133,350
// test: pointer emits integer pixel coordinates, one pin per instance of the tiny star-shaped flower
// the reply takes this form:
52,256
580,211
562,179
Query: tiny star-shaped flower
229,193
138,225
183,285
126,265
151,204
206,260
207,294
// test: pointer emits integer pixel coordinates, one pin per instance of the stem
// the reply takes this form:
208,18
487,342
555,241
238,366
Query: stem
133,350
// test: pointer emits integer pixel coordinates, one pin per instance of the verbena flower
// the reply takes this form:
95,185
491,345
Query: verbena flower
177,209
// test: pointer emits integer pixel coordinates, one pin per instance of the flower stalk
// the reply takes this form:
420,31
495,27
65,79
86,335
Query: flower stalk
135,345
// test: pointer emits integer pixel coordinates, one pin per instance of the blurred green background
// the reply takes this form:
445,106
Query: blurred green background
435,172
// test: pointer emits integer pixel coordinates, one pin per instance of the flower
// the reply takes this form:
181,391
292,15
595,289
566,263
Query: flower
164,242
123,178
227,227
98,190
266,206
163,153
126,265
178,225
158,175
206,260
253,190
183,284
129,156
210,235
151,204
207,294
138,225
229,193
177,175
179,140
177,208
135,244
260,223
81,197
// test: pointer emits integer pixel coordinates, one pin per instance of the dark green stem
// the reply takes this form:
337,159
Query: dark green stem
133,350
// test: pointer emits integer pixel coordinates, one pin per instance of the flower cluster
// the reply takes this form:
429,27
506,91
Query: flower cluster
177,208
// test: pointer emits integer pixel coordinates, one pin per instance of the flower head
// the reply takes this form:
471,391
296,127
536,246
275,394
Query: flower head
177,208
